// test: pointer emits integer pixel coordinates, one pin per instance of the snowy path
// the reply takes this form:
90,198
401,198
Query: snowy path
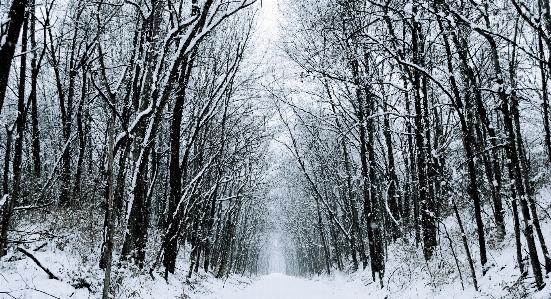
279,286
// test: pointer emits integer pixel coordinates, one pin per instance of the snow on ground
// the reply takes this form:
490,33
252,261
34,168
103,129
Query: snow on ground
69,247
21,278
280,286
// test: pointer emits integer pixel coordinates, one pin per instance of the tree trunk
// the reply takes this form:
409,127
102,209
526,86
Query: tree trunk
356,237
12,200
471,118
16,17
530,194
107,248
37,163
392,194
465,244
77,191
175,172
514,163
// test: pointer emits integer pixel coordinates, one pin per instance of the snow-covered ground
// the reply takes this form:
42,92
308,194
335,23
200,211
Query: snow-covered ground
69,247
21,278
280,286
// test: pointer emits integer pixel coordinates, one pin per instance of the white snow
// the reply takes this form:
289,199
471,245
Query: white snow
408,8
496,87
3,40
451,20
280,286
3,200
406,274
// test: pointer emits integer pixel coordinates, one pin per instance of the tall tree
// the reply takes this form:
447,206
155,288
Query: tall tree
9,36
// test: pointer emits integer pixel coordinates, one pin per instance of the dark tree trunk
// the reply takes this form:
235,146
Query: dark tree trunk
209,229
37,163
428,221
13,199
324,244
356,237
465,244
16,17
7,198
525,165
514,164
109,225
413,189
7,159
392,195
65,106
144,179
77,191
364,108
472,86
176,172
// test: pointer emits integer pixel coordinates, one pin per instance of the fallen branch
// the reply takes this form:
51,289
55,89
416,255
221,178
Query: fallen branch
40,247
50,274
27,208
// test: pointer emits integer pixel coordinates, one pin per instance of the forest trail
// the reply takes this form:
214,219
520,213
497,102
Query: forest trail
280,286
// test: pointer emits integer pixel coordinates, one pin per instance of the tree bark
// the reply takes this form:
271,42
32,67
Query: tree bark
9,39
514,164
37,162
107,248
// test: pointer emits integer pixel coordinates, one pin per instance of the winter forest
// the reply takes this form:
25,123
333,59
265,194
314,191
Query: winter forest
288,149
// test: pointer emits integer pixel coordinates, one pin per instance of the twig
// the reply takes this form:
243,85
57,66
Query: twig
35,289
8,293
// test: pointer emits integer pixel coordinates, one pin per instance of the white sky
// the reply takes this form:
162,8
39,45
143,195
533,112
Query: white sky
268,22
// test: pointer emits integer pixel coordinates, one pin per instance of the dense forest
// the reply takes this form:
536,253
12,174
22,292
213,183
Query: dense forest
168,138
